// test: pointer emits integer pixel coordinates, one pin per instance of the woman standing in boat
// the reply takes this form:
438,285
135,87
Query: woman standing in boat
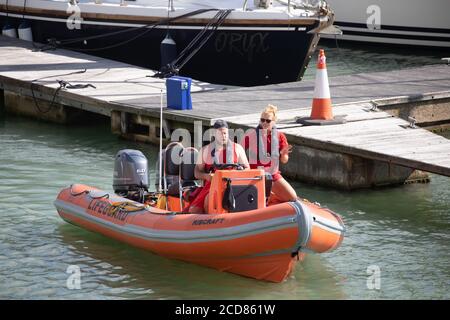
267,147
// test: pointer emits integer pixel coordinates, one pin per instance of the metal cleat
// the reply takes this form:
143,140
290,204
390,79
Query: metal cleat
374,107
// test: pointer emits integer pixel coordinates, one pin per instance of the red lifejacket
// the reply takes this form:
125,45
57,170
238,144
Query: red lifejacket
213,159
202,192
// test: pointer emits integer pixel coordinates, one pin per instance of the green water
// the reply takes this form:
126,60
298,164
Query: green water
344,58
403,231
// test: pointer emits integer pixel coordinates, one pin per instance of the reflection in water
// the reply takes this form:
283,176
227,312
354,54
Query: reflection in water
130,271
404,231
345,58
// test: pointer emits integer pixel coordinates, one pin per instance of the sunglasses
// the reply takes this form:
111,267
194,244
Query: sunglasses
265,120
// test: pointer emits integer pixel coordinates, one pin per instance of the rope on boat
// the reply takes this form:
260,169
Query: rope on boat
88,192
53,43
126,205
195,45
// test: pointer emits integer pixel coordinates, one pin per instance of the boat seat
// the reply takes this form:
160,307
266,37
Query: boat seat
171,163
170,181
174,188
186,173
172,159
187,166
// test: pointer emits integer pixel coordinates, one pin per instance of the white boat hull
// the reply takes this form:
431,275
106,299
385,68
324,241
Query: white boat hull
404,22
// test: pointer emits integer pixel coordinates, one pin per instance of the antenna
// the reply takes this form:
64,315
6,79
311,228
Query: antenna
160,141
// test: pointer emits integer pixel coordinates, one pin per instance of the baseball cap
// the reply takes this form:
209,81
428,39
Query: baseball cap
220,124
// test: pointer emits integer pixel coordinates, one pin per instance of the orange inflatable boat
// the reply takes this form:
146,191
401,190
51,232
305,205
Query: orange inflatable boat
263,242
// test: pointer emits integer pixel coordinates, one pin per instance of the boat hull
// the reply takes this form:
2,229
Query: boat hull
400,22
238,53
263,244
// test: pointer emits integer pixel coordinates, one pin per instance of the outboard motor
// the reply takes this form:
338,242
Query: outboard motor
130,174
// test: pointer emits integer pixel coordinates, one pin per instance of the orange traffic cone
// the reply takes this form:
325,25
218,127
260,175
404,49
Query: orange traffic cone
321,112
321,106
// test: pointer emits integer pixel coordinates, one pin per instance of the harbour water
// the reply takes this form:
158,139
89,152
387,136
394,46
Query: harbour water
400,234
344,58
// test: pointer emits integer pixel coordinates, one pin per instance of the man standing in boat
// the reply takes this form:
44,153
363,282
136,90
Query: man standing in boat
220,153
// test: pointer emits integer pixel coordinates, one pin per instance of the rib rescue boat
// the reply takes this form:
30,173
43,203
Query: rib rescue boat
251,237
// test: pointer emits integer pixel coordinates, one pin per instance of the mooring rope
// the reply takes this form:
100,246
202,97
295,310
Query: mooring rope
53,43
62,85
198,42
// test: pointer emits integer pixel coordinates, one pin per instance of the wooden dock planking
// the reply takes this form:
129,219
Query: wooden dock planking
369,134
286,118
375,135
387,141
118,85
17,55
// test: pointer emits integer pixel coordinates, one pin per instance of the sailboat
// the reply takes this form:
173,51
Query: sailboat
235,42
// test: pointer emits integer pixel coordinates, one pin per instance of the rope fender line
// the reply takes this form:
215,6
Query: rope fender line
67,85
124,205
62,85
198,42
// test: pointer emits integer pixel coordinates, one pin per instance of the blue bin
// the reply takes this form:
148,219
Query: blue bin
179,93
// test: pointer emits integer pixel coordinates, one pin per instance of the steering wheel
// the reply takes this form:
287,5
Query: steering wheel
223,166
